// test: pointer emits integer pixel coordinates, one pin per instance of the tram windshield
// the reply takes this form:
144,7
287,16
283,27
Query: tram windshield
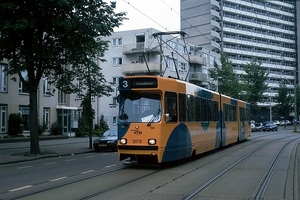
137,107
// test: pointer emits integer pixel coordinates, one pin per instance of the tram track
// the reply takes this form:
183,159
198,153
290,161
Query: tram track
258,193
70,182
189,180
75,181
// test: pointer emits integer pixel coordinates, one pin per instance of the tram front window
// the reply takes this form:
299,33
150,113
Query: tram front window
140,108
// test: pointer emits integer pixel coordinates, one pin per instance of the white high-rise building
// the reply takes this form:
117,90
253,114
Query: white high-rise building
249,29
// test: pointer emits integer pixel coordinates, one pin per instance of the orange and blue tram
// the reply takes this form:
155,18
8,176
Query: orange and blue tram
164,119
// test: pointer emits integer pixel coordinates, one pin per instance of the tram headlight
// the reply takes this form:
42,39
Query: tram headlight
123,141
152,141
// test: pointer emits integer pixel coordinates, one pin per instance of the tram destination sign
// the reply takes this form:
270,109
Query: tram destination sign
139,83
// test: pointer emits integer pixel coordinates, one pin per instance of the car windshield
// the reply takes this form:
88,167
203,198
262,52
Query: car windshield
137,107
110,133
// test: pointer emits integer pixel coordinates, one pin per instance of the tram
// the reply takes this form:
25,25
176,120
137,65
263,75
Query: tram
165,119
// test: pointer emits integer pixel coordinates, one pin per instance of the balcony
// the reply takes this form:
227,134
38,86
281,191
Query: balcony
198,76
141,69
140,48
197,60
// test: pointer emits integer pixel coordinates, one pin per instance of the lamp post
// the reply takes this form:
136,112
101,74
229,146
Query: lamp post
270,109
295,102
218,83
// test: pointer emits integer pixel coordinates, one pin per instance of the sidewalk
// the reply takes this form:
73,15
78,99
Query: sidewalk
12,152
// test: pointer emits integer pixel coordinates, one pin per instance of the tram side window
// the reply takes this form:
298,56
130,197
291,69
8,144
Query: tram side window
229,112
206,110
191,110
198,109
234,117
171,106
226,112
182,107
242,114
214,111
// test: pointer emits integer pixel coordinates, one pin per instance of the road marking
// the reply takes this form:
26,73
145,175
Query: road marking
50,163
24,167
87,171
70,160
20,188
89,156
108,166
57,179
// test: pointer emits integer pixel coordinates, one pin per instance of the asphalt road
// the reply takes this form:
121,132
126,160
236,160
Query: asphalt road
77,172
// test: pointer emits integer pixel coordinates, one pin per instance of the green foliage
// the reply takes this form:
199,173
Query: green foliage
254,85
42,128
87,116
56,129
15,124
83,127
284,101
227,80
55,39
102,127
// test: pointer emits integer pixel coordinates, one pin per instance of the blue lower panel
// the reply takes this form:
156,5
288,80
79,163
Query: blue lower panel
179,144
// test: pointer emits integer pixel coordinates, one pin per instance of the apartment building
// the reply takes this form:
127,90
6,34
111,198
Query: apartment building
53,105
248,29
145,51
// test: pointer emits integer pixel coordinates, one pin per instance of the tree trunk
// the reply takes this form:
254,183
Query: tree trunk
34,137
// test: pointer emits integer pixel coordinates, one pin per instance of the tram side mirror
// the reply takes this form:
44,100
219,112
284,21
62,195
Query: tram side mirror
123,116
118,99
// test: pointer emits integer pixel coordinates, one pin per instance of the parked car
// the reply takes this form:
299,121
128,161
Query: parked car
252,127
270,127
276,122
107,141
259,127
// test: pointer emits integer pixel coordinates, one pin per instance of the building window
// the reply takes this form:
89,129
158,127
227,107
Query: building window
22,89
182,67
24,112
46,87
46,118
3,78
117,61
170,63
114,119
114,101
62,97
117,42
2,119
78,94
140,41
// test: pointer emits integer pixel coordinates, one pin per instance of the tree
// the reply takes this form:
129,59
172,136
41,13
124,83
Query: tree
227,80
42,38
254,84
93,82
284,101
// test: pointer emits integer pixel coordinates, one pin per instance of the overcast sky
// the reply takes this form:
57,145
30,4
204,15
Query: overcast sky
163,15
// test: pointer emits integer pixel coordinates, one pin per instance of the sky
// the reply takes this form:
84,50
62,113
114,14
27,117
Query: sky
163,15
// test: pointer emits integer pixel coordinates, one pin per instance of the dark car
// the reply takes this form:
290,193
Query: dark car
108,141
270,127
